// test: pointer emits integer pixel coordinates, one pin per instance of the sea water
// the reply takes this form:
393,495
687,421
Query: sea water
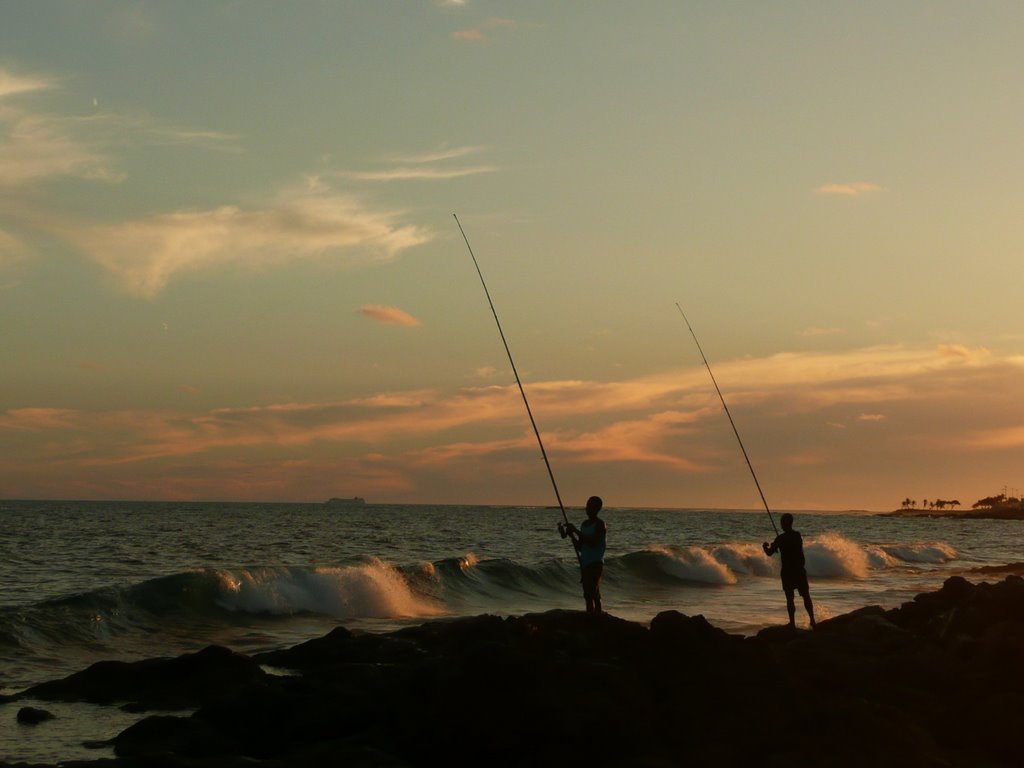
87,581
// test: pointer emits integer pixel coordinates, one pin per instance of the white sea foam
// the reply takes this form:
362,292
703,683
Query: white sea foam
833,556
745,559
923,552
693,564
372,589
878,558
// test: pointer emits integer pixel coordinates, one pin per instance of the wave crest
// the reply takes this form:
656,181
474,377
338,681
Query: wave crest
680,564
373,589
937,552
831,555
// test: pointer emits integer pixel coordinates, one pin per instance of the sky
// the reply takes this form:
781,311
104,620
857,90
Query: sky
229,266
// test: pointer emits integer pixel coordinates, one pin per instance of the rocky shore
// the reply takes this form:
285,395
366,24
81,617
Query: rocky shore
938,681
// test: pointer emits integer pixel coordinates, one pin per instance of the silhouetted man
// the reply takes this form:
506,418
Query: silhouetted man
794,575
589,540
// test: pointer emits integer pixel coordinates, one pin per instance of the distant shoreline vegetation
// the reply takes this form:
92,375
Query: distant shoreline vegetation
999,507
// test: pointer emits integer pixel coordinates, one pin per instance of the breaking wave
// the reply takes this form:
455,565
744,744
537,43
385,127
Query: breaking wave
934,552
828,556
702,565
373,589
833,556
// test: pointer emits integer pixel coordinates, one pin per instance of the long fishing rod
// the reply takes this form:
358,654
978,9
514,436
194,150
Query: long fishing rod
733,423
522,391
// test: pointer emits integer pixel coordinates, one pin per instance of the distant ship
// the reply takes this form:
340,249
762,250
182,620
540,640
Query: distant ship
355,501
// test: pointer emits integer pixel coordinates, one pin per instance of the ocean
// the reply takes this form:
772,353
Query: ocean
88,581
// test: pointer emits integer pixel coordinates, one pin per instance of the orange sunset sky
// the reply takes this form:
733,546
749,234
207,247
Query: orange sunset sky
229,268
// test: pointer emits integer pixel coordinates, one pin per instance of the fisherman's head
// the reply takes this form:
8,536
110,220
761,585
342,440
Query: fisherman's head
594,505
787,522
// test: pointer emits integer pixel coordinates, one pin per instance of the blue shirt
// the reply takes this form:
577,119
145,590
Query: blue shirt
592,542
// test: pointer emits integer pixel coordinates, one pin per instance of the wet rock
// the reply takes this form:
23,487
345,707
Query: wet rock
180,683
935,682
34,716
165,734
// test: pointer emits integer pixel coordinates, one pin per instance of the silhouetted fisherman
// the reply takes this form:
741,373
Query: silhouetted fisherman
589,539
794,575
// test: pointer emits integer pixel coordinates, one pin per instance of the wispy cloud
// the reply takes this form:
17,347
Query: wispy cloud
437,156
638,419
388,315
484,30
38,146
35,147
12,84
175,136
643,440
37,419
871,417
429,166
999,438
663,426
855,189
412,174
963,352
300,225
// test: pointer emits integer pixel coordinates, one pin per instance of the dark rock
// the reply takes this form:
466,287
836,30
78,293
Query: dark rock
688,632
185,736
935,682
33,716
334,647
181,683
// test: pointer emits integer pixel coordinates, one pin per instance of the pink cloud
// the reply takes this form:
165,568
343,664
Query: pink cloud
814,331
388,315
856,189
36,419
1002,438
482,31
657,428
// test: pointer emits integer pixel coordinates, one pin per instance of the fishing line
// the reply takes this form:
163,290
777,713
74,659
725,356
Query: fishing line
522,392
733,423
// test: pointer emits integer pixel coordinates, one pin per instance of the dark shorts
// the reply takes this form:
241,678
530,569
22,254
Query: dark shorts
591,576
795,582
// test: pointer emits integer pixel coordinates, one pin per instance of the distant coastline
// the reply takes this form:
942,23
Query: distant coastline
1002,506
993,513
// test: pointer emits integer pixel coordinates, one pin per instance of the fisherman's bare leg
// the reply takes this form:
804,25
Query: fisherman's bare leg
806,595
791,607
